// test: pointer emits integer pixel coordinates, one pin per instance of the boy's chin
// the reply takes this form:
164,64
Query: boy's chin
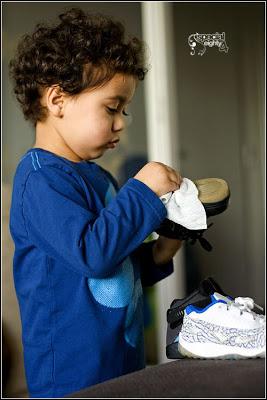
97,154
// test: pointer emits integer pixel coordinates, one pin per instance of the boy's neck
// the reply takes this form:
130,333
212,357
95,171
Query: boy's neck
47,138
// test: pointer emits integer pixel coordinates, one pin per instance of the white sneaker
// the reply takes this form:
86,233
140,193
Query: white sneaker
225,329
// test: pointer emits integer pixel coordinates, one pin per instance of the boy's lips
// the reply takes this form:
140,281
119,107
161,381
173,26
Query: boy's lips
113,144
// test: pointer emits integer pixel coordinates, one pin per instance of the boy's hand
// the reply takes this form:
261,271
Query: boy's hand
165,249
159,177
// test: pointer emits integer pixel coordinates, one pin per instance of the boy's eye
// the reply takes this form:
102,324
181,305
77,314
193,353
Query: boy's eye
114,110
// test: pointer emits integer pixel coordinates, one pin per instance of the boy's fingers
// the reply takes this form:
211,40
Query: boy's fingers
176,177
176,184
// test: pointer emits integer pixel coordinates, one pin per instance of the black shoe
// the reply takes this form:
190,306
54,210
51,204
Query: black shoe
199,298
214,194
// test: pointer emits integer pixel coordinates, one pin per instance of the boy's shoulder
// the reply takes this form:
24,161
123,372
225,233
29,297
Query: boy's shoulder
39,164
37,160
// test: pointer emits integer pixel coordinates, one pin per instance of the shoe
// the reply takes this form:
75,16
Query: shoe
223,329
214,194
175,314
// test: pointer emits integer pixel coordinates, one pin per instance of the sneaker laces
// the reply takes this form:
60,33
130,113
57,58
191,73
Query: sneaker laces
246,304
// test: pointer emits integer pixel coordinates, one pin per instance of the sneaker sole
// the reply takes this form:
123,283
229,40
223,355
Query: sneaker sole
216,208
211,351
212,190
214,194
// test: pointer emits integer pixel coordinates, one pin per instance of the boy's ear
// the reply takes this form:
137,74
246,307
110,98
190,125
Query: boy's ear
54,99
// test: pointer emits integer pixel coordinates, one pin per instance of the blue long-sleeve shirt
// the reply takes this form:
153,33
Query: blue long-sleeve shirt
79,267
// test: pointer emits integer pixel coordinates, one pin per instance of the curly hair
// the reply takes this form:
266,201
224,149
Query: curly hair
82,51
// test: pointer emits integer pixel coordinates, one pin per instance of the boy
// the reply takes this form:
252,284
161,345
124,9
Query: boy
80,261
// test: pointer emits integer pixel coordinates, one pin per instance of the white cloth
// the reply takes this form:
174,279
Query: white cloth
184,207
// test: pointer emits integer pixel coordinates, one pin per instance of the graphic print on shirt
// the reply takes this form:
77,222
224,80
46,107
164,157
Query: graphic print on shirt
122,289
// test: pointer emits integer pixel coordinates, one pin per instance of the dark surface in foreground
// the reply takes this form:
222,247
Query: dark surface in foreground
187,378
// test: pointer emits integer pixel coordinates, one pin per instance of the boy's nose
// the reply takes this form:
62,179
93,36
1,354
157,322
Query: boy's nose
119,123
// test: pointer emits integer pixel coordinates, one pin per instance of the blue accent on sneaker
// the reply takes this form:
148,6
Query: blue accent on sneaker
176,339
198,310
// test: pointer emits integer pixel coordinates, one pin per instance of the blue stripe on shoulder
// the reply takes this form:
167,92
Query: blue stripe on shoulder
33,162
37,159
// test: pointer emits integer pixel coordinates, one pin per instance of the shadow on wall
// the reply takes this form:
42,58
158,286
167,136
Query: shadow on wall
222,134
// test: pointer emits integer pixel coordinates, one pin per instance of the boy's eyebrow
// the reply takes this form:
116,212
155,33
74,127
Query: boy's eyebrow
122,99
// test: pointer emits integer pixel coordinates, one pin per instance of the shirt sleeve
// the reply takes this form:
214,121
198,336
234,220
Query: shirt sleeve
61,221
150,272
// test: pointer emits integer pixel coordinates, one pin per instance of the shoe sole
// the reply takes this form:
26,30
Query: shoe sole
222,353
214,194
216,208
212,190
